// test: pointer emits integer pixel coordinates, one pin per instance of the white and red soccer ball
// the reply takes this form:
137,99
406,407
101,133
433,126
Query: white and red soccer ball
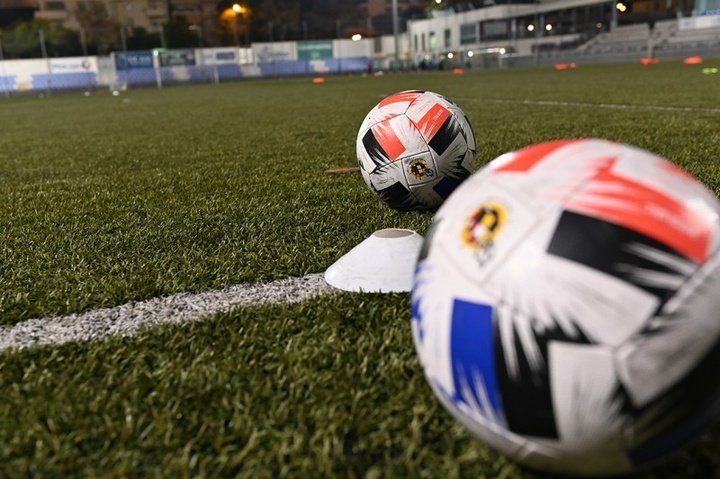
566,306
414,148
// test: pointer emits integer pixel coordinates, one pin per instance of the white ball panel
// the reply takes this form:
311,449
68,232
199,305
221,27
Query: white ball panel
687,328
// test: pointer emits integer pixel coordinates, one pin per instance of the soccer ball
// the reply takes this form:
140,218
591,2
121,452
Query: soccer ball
414,148
566,306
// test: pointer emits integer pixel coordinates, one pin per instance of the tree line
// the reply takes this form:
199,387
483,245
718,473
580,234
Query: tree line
263,20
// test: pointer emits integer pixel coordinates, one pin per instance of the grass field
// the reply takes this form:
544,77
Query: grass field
106,200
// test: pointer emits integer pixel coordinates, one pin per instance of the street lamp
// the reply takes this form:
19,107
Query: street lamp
356,38
237,10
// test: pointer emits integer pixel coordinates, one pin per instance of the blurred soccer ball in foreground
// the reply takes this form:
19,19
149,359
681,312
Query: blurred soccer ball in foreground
414,148
566,306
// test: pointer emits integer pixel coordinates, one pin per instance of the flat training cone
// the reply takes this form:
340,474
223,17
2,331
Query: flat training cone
382,263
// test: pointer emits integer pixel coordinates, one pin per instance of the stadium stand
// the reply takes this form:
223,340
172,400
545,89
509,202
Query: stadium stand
625,39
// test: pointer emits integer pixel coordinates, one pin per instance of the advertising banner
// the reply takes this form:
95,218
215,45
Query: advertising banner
74,65
133,60
175,58
276,51
315,50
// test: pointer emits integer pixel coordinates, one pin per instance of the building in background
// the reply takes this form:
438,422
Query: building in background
129,14
378,14
12,11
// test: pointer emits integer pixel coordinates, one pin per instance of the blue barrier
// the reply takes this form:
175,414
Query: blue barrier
129,76
167,75
283,68
202,74
304,67
229,72
137,77
343,65
7,83
63,81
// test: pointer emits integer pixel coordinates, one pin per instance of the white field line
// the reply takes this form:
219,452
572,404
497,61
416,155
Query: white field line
580,104
127,319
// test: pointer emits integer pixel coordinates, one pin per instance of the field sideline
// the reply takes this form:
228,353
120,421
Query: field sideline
110,200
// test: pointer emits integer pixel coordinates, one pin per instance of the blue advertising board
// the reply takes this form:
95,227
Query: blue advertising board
133,60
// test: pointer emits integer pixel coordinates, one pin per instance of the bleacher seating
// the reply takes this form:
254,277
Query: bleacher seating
625,39
698,38
640,40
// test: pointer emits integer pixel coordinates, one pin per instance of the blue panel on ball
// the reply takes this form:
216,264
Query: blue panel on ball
690,407
445,186
473,358
416,317
660,446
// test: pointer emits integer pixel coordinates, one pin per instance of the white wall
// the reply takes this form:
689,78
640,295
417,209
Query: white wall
276,51
104,67
704,21
348,48
224,55
25,69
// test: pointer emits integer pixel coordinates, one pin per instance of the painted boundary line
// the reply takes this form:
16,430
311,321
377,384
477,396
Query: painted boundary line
128,319
580,104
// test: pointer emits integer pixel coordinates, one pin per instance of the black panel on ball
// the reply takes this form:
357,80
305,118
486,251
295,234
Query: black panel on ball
687,410
400,198
445,136
374,149
527,397
602,246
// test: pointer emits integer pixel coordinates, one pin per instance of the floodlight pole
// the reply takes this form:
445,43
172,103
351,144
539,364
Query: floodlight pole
83,43
396,28
48,84
123,38
339,44
6,89
539,20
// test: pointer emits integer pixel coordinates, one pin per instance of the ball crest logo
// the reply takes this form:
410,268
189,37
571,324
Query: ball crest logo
482,227
420,169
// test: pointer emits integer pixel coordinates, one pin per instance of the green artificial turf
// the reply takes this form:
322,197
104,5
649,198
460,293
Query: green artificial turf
108,199
330,387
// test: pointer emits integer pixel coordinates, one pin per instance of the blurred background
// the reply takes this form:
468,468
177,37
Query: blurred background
84,44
